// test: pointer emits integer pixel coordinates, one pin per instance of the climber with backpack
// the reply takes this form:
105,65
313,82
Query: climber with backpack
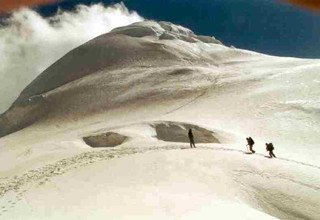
270,148
250,142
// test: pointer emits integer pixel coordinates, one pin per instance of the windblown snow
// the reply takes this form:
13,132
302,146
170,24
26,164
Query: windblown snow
102,133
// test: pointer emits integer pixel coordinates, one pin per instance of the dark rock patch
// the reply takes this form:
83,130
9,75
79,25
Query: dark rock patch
178,132
109,139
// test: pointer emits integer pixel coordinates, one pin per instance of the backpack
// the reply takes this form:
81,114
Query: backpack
270,147
251,141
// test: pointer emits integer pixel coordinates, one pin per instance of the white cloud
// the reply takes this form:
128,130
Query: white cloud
29,43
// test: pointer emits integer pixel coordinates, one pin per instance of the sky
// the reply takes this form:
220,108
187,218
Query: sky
33,39
267,26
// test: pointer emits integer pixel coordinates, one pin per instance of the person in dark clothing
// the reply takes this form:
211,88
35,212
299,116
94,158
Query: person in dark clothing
270,148
191,138
250,144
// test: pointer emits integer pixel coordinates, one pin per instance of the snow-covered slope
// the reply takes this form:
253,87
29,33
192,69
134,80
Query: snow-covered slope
118,56
145,85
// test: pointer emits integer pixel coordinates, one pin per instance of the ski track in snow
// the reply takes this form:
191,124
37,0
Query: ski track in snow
19,184
187,103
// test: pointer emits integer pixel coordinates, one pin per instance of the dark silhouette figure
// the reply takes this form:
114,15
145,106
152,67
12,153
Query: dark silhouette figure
191,138
250,144
270,148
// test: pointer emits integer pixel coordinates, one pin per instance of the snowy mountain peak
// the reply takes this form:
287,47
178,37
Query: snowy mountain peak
137,46
163,31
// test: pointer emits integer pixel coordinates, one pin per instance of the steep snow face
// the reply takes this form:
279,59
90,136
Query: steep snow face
116,50
113,57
